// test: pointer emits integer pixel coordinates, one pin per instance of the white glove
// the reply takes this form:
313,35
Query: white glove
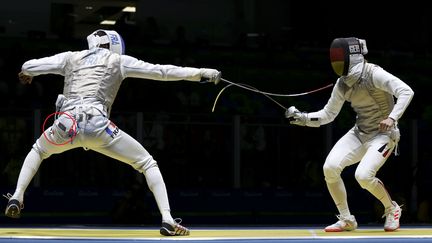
210,75
295,116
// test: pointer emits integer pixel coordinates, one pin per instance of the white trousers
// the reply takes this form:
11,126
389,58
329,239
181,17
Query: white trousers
370,154
97,133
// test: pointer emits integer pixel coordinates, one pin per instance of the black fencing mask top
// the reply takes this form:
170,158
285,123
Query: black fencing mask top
341,52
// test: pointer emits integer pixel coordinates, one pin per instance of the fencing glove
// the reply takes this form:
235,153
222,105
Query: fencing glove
299,118
295,116
210,75
25,79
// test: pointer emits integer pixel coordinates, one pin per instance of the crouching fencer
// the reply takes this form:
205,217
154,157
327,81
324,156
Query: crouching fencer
92,78
371,90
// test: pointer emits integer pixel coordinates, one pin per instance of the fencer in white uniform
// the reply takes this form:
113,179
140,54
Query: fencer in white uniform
371,90
92,79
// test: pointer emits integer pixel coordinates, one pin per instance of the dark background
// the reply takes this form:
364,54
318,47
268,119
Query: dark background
242,163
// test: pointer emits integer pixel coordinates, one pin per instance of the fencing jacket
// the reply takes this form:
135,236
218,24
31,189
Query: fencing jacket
94,76
372,98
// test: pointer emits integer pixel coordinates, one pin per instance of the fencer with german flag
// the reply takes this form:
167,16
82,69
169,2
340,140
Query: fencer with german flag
92,78
371,90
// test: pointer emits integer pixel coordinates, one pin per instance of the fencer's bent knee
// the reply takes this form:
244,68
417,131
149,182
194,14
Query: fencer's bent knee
331,172
365,180
39,150
144,164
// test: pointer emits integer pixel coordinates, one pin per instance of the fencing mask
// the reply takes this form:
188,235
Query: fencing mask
110,37
345,53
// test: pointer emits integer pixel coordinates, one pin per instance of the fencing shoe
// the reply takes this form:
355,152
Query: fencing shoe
13,208
392,215
175,229
343,224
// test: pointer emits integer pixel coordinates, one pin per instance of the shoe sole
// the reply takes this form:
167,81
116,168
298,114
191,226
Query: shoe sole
333,230
166,232
391,230
13,211
338,229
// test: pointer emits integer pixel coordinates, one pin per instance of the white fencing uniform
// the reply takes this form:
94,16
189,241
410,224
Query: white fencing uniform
372,100
371,91
92,80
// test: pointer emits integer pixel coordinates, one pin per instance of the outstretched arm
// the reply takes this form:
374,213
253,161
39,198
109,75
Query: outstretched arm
321,117
134,68
47,65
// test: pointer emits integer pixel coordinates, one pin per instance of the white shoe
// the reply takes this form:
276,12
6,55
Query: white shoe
344,224
392,215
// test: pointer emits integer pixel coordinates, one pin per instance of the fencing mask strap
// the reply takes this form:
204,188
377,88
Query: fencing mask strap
341,52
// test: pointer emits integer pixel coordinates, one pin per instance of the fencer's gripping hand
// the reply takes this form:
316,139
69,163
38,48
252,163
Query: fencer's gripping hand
25,79
295,116
386,124
209,75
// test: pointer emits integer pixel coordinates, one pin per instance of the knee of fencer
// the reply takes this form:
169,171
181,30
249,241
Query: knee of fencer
331,173
144,164
365,180
40,151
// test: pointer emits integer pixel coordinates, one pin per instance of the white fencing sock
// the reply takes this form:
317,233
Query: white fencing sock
28,170
381,194
157,185
338,193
